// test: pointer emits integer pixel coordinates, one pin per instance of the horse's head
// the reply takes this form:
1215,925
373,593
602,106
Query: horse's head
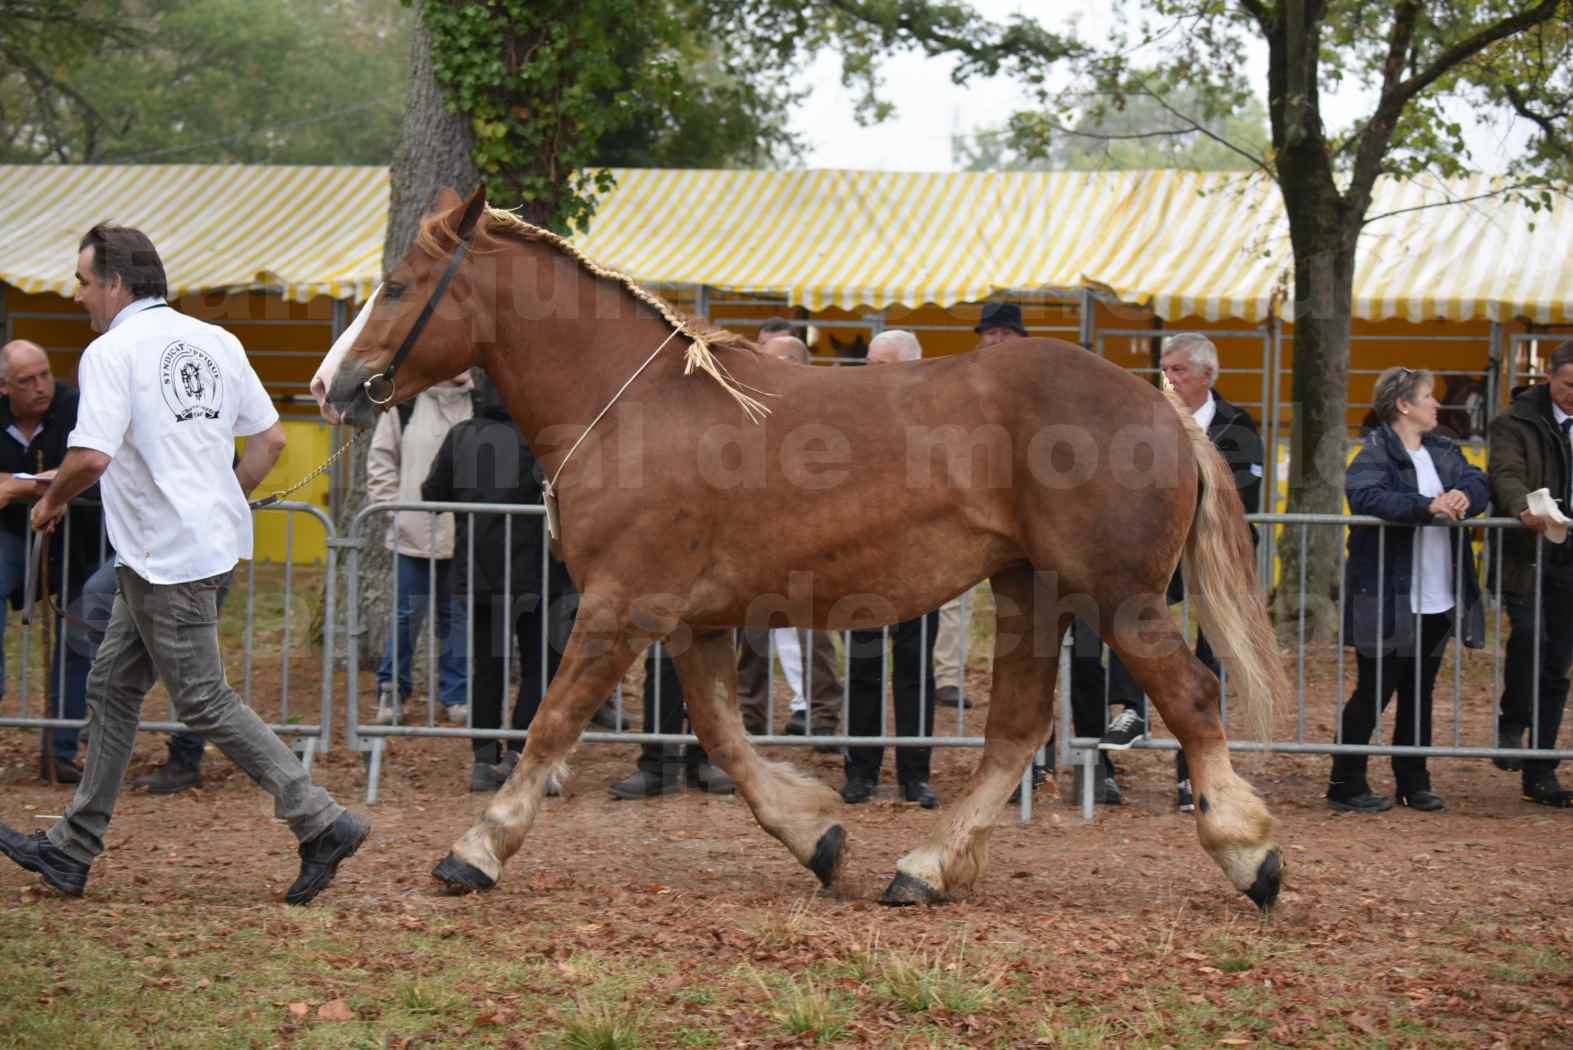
414,331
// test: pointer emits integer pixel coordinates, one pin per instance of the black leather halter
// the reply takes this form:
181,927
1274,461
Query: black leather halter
386,375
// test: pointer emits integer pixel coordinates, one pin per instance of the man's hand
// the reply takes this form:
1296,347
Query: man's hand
13,489
1535,521
47,514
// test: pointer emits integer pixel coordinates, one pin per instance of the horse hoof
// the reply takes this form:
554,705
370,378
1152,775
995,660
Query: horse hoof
830,853
904,890
1269,880
457,877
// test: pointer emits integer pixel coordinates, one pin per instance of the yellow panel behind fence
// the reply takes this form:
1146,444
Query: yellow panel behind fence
310,444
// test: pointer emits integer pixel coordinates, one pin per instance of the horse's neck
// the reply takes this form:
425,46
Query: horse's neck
557,374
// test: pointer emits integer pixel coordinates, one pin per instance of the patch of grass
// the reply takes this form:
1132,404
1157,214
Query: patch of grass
599,1026
809,1010
918,984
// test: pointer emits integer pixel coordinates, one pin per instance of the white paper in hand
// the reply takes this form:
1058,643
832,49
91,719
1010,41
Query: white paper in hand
1542,505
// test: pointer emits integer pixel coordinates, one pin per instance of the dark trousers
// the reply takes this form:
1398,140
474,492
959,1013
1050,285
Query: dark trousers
912,692
661,684
1095,688
819,670
498,630
1521,670
1359,719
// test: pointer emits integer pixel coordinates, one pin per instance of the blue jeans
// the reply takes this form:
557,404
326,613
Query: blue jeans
414,596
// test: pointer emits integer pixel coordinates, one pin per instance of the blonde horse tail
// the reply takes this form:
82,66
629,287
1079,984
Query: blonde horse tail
1221,581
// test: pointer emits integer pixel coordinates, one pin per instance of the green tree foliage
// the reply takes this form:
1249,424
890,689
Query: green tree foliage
558,91
184,81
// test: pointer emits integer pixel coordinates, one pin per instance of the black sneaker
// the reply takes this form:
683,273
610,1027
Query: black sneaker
1040,776
1425,800
1545,791
1123,731
947,696
1184,801
171,778
36,853
321,856
857,790
797,725
1365,802
64,771
712,779
1510,737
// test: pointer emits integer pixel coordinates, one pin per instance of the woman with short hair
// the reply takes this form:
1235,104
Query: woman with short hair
1408,591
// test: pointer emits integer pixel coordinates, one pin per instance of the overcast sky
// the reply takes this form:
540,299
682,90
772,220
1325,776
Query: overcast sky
930,109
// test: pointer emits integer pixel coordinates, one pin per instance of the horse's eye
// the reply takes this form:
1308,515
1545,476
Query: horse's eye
392,291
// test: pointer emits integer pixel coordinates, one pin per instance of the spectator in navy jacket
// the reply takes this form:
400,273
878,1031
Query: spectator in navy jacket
1408,591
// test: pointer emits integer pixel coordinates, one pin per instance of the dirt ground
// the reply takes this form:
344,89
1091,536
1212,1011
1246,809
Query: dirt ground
1402,928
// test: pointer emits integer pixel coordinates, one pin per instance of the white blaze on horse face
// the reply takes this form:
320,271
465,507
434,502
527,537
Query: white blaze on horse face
323,379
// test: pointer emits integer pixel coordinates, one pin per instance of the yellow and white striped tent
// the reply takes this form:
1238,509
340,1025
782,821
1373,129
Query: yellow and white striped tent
300,231
1211,245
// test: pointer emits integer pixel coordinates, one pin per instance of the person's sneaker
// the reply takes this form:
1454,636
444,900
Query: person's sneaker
457,714
1365,802
711,778
1123,731
390,712
1183,799
644,785
171,778
1510,737
484,777
321,856
66,770
606,716
1105,791
919,791
37,854
797,725
1425,800
947,696
857,790
1545,791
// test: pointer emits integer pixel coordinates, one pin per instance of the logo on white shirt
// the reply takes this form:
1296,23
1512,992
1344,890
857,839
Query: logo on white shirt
190,380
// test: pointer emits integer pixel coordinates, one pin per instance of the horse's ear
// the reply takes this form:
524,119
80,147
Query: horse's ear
447,199
472,211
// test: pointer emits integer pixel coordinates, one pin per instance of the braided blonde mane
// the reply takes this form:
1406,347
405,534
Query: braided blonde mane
703,337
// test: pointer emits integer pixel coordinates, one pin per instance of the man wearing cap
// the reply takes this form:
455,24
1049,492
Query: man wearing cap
1530,450
999,322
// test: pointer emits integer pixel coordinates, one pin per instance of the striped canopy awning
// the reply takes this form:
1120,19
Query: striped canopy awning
1213,245
300,231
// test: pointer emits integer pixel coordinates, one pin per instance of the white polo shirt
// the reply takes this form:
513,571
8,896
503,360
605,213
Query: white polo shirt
165,395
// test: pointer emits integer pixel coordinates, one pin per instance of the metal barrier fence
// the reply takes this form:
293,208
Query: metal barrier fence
309,738
1462,738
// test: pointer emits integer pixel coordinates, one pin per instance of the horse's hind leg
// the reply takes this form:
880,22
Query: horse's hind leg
1021,707
789,805
590,670
1232,821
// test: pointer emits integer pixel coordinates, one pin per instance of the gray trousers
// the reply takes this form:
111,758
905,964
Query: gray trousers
170,632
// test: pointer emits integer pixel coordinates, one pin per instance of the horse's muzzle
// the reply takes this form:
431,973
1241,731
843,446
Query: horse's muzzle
347,395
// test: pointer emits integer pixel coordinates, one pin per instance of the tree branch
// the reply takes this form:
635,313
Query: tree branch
1502,192
1465,49
1257,10
1207,132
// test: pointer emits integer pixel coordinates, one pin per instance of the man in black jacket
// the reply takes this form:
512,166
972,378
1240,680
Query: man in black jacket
1530,450
36,414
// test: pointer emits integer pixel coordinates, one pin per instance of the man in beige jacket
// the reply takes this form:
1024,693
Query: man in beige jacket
402,449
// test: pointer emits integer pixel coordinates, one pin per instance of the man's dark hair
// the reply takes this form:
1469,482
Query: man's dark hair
129,254
1562,355
775,326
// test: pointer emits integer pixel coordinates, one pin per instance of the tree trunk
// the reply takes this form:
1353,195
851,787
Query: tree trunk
1324,254
435,148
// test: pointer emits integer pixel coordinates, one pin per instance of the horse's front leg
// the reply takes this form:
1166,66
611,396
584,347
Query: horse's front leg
592,665
1026,657
791,806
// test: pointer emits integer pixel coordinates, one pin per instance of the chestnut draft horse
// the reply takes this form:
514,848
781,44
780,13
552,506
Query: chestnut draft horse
853,502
